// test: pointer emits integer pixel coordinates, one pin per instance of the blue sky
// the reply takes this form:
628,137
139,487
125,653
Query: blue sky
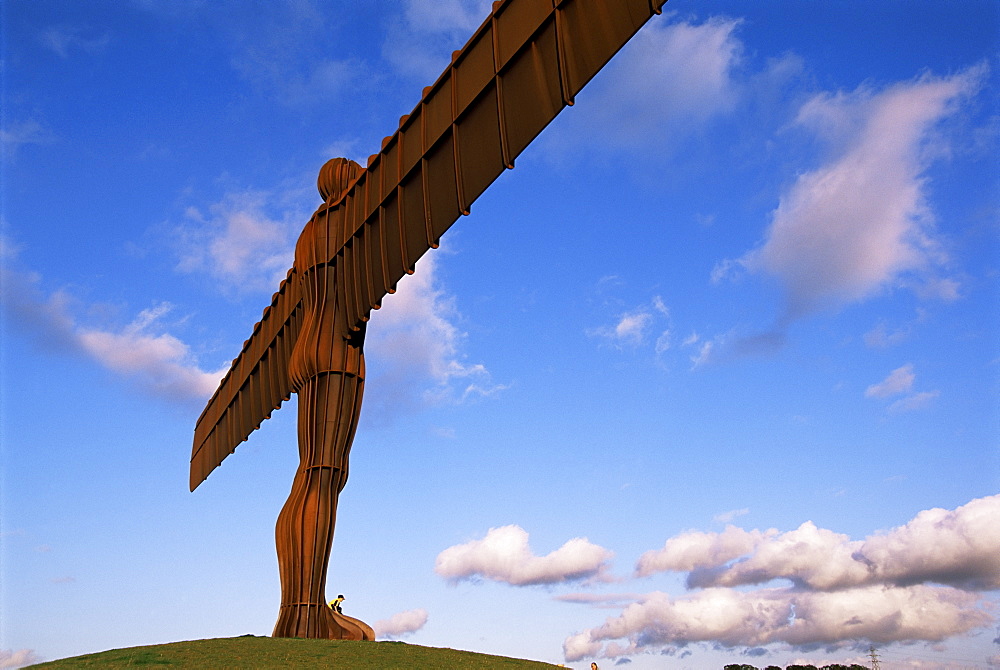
709,377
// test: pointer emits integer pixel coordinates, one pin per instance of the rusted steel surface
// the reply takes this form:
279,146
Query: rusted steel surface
522,66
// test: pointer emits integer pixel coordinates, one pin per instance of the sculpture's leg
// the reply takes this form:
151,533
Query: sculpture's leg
329,405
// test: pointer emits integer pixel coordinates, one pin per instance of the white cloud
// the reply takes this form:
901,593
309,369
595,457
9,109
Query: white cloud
632,328
141,351
694,549
401,624
914,402
916,582
157,359
899,381
733,618
726,517
504,556
861,222
952,547
580,645
415,349
957,547
819,558
238,243
19,658
669,80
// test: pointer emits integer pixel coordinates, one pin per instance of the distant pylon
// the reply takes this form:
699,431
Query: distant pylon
874,657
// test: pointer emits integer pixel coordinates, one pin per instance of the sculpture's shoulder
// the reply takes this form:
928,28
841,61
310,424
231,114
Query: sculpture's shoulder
305,247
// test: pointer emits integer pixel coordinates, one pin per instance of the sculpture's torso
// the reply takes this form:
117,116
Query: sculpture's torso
326,342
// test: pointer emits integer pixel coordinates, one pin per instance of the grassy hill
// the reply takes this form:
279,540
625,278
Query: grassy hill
266,652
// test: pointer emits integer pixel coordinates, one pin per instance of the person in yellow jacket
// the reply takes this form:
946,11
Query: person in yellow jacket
335,604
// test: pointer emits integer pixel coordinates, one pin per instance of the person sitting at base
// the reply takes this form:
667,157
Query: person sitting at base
335,604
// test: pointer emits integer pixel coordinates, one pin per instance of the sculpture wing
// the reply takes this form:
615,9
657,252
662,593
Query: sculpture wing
255,386
523,65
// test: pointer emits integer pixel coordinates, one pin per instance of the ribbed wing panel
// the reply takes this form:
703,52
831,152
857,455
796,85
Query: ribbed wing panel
255,385
523,65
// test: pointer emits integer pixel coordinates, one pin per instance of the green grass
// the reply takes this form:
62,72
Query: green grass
266,652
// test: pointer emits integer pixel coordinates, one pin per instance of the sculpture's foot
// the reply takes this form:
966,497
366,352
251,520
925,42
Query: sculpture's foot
354,629
319,622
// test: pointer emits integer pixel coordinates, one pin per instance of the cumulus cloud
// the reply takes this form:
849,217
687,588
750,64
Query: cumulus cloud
504,556
401,624
957,547
734,618
917,582
695,549
18,659
142,350
861,222
951,547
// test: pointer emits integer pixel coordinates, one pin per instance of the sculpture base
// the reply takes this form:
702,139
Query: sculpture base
354,629
320,622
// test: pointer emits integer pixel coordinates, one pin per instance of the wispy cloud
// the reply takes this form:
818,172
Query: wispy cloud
883,337
669,81
15,134
63,39
141,351
420,40
862,222
917,582
636,327
900,382
504,556
914,402
726,517
401,624
245,240
416,347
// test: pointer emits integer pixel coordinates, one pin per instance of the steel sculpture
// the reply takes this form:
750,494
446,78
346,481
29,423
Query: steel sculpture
523,65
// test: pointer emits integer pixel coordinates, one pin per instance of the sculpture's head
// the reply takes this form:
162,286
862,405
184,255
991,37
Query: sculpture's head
335,175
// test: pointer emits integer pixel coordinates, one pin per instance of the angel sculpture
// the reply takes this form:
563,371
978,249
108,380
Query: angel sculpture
522,66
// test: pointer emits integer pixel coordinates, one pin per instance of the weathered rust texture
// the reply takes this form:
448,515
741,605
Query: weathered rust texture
523,65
